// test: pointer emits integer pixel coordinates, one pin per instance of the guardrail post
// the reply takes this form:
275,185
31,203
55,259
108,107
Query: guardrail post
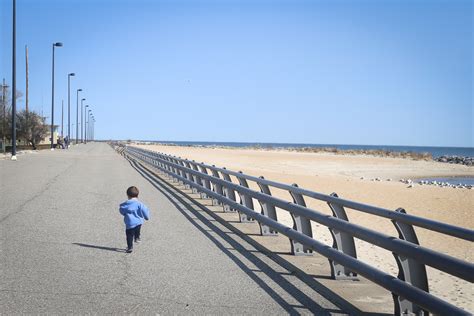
167,166
180,171
216,187
409,270
161,164
196,178
301,224
342,242
268,210
153,159
228,192
175,169
246,201
205,182
188,174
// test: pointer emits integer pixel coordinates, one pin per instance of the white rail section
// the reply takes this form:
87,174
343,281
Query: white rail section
410,289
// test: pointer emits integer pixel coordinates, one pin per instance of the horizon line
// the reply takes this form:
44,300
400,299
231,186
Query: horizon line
278,143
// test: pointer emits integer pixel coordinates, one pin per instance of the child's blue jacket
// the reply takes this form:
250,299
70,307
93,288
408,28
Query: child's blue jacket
134,212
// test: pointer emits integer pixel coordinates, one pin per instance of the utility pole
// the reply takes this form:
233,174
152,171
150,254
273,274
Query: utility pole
26,58
14,83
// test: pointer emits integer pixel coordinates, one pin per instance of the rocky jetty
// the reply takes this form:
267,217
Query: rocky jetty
467,161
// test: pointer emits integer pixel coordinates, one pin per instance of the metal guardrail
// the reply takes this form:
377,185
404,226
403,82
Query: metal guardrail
410,289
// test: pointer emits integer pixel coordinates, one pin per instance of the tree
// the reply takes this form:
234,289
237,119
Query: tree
6,122
5,114
6,111
31,127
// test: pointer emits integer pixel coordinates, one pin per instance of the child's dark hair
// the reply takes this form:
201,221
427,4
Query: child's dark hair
132,192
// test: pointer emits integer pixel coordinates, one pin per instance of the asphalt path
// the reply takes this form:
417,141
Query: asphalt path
62,244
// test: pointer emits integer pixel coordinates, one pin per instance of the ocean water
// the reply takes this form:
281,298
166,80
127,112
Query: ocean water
434,151
453,180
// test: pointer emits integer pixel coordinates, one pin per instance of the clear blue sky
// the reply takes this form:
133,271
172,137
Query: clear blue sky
344,72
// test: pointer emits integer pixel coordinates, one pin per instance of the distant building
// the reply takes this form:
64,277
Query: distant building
47,139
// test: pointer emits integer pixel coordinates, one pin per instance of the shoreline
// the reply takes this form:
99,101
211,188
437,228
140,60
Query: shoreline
327,149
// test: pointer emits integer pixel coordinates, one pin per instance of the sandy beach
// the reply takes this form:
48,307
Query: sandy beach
353,177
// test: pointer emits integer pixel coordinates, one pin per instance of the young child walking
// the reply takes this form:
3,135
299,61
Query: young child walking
134,212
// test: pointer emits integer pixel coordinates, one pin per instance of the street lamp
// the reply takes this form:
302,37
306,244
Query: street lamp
14,84
69,105
88,122
62,118
77,115
92,127
58,44
82,121
85,124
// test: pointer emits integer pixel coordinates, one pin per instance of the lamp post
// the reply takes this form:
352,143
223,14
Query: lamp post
14,84
89,125
85,124
69,105
82,121
77,115
92,128
62,118
58,44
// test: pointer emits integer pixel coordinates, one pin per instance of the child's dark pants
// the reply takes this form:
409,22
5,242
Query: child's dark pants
132,233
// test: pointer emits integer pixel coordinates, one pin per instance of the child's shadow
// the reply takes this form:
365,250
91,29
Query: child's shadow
99,247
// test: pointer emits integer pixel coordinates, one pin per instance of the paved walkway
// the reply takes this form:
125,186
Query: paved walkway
62,241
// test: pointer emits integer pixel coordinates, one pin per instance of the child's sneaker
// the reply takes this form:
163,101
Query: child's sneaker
138,240
129,250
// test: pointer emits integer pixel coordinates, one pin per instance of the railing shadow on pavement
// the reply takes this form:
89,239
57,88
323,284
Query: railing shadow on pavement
186,204
99,247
